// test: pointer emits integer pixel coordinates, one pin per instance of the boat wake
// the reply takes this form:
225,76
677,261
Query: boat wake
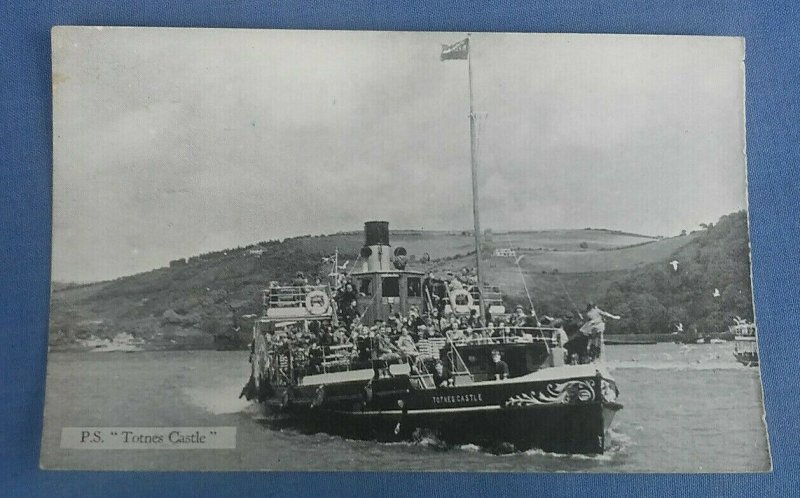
428,439
617,443
421,438
219,400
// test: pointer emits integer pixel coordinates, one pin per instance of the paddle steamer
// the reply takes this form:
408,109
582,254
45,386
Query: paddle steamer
544,403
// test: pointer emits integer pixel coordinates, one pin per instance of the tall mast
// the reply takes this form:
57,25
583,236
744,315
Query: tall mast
474,162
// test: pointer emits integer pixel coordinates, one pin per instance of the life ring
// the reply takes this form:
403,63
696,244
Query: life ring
461,301
317,302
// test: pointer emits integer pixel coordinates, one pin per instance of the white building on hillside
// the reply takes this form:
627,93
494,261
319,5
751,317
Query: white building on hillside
505,252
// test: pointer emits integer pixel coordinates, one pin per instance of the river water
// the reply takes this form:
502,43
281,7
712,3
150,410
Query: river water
687,408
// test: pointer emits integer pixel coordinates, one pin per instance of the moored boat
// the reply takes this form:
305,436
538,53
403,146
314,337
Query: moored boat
629,342
745,343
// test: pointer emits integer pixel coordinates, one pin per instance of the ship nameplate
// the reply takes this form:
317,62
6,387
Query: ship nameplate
456,399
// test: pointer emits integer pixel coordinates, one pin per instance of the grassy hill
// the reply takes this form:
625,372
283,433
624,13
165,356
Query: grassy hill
188,303
560,274
444,244
710,286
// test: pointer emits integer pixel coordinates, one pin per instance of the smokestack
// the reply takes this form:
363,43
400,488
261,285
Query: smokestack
376,251
376,233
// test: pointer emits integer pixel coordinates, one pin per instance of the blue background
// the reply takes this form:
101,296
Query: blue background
773,137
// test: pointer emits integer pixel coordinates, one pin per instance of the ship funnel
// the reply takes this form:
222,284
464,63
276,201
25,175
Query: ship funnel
377,233
376,251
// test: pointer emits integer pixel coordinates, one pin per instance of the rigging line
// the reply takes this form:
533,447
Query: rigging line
457,354
574,306
369,304
522,276
355,263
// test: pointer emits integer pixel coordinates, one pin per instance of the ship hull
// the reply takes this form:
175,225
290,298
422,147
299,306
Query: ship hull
558,429
567,415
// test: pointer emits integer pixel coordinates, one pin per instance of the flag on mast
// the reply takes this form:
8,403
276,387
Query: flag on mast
456,51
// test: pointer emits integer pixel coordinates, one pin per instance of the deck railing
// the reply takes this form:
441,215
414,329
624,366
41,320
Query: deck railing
291,296
510,335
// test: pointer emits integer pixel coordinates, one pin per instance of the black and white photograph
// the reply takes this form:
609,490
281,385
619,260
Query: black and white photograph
400,251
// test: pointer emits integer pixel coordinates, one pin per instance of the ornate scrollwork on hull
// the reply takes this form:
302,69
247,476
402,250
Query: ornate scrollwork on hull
573,391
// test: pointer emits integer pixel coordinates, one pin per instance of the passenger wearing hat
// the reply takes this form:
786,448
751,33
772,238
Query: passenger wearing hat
519,320
406,344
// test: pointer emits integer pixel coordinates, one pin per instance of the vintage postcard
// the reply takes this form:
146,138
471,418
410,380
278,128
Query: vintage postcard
334,250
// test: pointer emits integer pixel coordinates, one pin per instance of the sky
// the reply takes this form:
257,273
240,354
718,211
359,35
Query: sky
175,142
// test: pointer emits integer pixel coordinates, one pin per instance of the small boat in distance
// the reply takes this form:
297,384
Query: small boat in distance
628,342
710,340
745,343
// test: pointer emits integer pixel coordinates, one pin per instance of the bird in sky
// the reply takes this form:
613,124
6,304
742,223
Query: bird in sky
674,264
716,292
328,259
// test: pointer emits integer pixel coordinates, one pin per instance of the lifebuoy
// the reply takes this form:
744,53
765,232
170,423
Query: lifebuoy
317,302
461,301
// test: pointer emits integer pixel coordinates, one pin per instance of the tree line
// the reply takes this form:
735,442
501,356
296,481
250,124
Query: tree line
709,287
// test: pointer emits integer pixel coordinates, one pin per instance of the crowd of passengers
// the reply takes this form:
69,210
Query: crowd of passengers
420,334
